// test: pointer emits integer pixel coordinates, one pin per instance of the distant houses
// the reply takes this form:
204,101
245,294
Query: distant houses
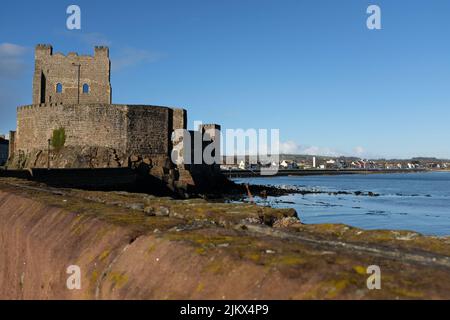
305,162
288,164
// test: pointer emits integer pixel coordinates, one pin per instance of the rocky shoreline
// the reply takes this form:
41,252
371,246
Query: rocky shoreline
239,192
137,246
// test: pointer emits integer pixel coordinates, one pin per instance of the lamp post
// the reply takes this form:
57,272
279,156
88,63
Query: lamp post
48,153
79,69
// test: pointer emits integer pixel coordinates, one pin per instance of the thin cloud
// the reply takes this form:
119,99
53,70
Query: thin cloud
359,151
128,57
291,147
11,50
12,63
88,38
95,38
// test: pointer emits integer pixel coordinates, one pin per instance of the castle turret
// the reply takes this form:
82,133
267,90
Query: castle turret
43,50
101,51
71,79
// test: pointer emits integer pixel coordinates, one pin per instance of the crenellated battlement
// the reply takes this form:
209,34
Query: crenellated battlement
37,106
179,112
44,47
101,51
43,50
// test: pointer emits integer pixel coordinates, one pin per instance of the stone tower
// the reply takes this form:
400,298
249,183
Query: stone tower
71,79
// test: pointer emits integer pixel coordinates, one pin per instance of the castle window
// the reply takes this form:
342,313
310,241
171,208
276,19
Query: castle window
85,88
59,88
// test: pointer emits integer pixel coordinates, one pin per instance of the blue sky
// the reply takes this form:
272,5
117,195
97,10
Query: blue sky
310,68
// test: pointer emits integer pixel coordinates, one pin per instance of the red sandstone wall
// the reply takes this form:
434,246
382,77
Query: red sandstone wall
38,242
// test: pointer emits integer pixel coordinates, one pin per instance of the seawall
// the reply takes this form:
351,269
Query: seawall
132,246
39,241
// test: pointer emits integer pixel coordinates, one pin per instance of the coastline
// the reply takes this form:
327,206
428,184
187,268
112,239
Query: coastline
418,202
136,246
312,172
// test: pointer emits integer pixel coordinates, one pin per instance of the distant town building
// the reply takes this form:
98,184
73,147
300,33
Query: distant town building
331,164
284,164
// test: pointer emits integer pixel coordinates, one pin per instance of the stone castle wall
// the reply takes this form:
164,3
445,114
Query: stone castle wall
72,72
148,131
85,125
141,131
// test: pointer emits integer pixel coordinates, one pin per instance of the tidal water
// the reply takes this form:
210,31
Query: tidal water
412,201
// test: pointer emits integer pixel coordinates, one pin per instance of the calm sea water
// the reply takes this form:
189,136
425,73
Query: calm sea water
414,201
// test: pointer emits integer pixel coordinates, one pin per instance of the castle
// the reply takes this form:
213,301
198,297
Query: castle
72,123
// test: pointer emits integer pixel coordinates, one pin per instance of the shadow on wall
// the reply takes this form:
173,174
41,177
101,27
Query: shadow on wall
122,179
107,179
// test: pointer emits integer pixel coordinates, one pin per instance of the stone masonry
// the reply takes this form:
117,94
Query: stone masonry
71,79
72,95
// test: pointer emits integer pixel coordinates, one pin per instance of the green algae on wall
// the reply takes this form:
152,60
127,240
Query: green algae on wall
58,138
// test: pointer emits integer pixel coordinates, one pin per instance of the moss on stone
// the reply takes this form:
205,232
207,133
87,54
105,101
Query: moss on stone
58,138
118,279
104,255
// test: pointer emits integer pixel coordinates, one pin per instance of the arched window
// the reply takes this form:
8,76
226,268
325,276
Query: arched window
59,88
85,88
